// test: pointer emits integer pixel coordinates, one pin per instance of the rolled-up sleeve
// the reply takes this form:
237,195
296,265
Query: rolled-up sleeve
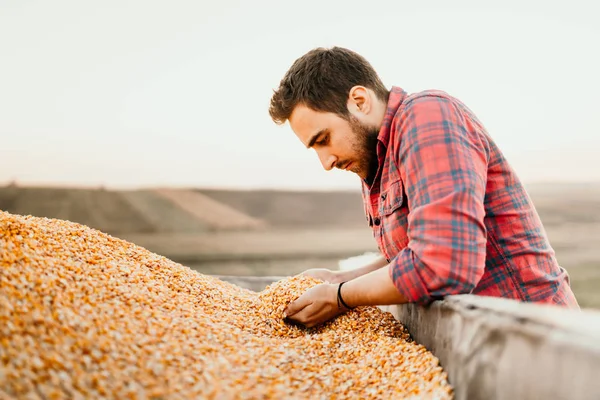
442,156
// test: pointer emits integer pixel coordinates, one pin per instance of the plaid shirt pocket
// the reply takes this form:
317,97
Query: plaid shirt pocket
393,212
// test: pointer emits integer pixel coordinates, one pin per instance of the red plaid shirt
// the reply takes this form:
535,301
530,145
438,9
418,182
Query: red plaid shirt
450,214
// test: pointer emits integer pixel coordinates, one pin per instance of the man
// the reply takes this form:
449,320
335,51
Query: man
449,214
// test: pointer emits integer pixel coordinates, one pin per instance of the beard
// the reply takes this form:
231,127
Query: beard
365,146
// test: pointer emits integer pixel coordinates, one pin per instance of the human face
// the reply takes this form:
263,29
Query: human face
349,145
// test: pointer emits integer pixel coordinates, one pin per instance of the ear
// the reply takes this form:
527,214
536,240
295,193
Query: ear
359,100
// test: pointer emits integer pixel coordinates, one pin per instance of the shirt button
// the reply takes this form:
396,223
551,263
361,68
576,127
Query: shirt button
383,196
377,221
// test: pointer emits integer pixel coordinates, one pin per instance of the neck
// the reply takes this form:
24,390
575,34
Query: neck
379,111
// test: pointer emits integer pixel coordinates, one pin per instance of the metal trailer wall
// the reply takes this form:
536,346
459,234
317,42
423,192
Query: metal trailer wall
496,348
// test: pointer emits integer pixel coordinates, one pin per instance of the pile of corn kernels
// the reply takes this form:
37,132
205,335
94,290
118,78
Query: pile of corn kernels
87,315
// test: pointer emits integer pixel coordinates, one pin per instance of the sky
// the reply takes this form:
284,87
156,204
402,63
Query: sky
143,93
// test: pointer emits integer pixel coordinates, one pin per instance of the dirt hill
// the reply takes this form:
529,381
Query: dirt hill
187,211
296,209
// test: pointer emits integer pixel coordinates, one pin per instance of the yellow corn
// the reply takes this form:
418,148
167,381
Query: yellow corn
87,315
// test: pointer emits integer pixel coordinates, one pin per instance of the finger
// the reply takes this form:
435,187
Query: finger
306,315
323,315
296,306
310,274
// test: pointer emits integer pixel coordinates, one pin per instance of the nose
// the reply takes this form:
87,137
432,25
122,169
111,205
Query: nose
327,159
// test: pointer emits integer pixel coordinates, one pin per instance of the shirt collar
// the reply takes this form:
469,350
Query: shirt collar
395,99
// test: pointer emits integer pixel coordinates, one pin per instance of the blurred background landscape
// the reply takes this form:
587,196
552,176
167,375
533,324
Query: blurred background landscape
270,232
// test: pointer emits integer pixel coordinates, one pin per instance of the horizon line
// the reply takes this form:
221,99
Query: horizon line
100,186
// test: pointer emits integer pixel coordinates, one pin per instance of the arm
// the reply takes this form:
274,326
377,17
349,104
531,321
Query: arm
373,289
374,265
343,276
443,163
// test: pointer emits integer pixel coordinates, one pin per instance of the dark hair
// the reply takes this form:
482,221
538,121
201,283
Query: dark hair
321,79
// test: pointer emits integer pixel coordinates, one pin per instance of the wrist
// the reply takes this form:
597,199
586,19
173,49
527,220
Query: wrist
338,277
333,287
342,303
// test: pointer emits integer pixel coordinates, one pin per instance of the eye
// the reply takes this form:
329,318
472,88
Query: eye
322,140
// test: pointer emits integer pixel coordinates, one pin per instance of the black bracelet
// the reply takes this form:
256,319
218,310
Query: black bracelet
339,297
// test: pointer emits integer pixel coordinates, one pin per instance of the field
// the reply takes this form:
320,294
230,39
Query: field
282,233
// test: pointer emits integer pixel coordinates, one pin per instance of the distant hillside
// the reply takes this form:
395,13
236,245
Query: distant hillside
211,212
186,211
104,210
167,211
296,209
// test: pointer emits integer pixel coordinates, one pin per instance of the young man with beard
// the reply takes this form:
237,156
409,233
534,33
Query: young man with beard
449,214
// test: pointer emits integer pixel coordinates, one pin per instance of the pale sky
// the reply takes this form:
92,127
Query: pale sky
175,93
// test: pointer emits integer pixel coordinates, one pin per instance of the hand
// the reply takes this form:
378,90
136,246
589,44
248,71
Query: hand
317,305
326,275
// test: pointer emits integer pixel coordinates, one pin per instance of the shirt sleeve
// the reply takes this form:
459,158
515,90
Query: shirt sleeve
443,158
